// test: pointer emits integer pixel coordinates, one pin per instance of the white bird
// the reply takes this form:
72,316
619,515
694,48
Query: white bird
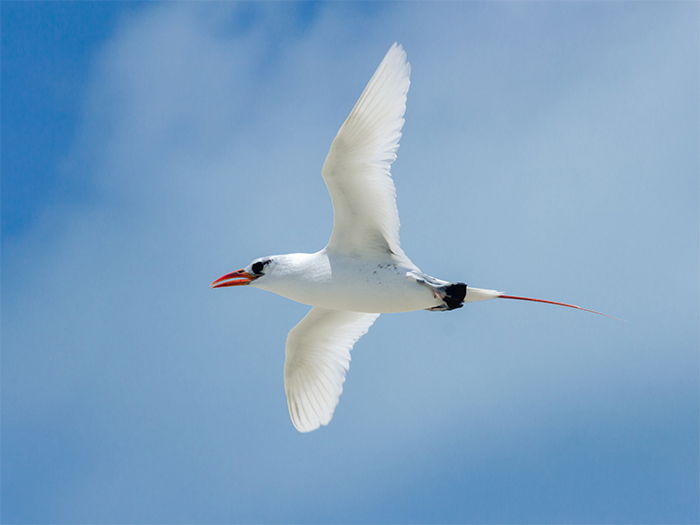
362,272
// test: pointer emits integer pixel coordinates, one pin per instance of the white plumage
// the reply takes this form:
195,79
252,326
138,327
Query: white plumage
363,271
357,168
317,358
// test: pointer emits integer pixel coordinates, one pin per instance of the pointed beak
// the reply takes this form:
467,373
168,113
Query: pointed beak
237,278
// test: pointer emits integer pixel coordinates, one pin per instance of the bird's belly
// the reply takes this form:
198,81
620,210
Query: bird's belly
373,289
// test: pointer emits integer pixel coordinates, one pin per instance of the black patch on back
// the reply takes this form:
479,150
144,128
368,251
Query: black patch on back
454,295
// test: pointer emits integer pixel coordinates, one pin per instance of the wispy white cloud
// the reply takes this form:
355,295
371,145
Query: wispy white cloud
154,398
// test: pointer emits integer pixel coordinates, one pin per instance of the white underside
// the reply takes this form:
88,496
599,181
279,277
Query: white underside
338,282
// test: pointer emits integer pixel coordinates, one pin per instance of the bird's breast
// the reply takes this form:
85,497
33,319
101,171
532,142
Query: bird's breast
358,286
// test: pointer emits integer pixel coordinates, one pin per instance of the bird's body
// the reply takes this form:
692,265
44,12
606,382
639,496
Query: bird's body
343,282
362,272
371,284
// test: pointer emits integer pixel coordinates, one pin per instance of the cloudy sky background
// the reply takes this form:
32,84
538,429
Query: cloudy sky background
550,150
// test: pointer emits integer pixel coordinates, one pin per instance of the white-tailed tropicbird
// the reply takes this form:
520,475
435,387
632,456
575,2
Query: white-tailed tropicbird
362,272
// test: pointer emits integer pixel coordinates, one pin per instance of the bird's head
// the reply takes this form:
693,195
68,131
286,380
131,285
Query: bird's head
257,269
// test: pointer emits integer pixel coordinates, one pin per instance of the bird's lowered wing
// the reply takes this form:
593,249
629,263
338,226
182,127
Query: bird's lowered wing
357,170
317,359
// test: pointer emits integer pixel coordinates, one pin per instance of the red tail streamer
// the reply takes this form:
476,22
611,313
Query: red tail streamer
554,302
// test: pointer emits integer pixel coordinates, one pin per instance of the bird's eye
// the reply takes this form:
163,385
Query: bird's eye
258,267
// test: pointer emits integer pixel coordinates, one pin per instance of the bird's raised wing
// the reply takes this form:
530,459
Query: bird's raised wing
317,359
357,168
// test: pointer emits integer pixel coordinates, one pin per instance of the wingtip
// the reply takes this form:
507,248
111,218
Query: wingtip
398,49
397,58
304,430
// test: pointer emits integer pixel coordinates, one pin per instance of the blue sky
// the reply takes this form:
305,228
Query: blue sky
550,149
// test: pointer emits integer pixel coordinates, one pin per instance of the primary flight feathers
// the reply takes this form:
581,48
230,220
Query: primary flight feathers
357,170
317,359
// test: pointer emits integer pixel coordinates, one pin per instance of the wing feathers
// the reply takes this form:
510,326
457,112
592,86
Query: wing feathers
318,357
357,172
357,168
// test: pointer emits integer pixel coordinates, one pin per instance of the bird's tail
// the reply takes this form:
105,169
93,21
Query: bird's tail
503,296
454,295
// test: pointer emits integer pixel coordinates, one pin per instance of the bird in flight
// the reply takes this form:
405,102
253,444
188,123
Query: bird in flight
362,272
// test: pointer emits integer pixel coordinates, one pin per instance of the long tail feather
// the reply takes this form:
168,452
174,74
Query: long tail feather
556,303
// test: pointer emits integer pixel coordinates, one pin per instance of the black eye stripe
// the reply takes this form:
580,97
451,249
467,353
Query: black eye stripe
258,267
